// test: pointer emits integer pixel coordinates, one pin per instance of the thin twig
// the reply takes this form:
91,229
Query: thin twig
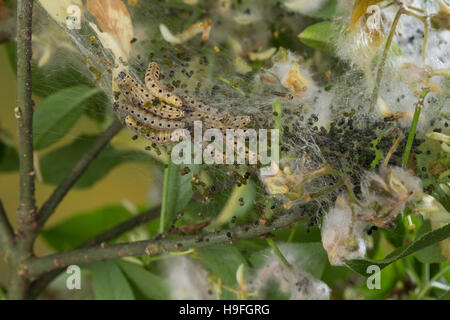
392,150
38,266
123,227
77,171
6,231
42,282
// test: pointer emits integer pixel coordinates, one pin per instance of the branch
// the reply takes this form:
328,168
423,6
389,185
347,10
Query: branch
24,114
123,227
38,285
6,231
77,171
38,266
26,212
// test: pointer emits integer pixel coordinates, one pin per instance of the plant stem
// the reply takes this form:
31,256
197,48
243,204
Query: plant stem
292,233
412,130
383,59
18,283
77,171
278,252
427,287
38,285
167,172
37,266
123,227
24,114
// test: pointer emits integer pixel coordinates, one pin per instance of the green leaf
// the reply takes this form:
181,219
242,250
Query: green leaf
179,191
429,254
271,290
9,159
302,233
397,235
223,261
56,164
57,113
423,241
322,36
145,283
74,231
109,283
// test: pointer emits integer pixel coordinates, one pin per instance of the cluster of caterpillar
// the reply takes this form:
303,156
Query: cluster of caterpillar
155,113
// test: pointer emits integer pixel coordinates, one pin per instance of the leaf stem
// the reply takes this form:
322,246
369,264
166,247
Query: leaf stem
278,252
427,287
412,130
167,172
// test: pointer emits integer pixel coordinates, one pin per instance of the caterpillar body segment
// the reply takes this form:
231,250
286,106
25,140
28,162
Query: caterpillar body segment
208,120
197,106
146,118
153,72
155,88
164,110
237,122
208,114
133,90
139,96
160,137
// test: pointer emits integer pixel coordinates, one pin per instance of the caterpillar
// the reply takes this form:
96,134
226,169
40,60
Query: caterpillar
208,120
237,122
146,117
156,116
195,105
201,111
160,137
139,96
155,88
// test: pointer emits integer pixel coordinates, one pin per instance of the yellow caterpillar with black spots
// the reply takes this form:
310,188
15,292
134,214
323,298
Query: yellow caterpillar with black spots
155,113
160,137
153,85
147,118
139,96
